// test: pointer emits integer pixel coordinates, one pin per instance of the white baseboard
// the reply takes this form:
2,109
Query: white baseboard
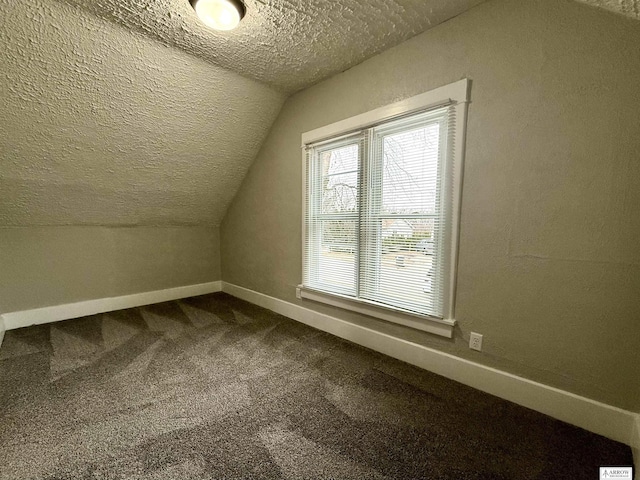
56,313
606,420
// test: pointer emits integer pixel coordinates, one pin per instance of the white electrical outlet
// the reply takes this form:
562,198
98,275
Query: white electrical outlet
298,292
475,341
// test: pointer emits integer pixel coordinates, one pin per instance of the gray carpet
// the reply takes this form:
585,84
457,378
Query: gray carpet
213,387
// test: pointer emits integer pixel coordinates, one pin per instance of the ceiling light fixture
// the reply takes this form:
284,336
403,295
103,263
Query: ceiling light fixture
219,14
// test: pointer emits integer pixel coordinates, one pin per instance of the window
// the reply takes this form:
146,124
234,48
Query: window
382,194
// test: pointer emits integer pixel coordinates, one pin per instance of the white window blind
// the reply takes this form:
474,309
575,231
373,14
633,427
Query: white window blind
380,212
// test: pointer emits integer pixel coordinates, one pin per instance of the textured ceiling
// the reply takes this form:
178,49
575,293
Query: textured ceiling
630,8
101,126
287,44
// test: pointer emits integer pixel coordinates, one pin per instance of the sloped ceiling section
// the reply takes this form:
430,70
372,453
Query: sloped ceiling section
630,8
287,44
103,126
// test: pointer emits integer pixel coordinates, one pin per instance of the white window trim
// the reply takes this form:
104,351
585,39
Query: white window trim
457,94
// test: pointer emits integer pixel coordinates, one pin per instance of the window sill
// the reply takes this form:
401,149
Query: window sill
436,326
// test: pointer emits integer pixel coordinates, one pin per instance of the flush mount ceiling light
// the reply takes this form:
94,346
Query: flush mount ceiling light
219,14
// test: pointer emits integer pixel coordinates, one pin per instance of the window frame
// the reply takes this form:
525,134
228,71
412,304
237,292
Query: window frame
455,95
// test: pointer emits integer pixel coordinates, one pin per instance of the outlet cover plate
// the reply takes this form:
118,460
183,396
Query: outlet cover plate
475,341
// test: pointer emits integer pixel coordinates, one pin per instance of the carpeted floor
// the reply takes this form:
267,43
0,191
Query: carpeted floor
212,387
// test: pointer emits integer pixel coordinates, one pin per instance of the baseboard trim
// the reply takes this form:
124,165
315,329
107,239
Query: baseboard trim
600,418
56,313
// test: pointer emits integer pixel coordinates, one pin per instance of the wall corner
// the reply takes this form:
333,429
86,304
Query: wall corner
635,446
2,329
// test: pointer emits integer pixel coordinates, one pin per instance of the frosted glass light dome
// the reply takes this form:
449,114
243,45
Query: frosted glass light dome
219,14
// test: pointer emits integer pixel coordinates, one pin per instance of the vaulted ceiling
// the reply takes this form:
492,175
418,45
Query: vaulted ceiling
119,112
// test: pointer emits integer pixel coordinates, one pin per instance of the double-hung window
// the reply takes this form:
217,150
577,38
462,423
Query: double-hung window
381,203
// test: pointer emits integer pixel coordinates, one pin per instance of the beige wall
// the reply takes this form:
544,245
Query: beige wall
118,157
549,266
45,266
